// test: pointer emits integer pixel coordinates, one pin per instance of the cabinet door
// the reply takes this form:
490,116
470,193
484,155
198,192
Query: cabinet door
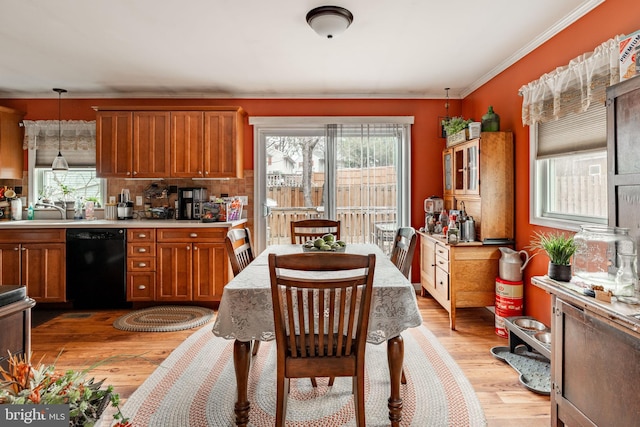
113,144
11,134
466,168
447,167
222,145
427,264
43,271
187,144
174,272
10,264
210,271
151,131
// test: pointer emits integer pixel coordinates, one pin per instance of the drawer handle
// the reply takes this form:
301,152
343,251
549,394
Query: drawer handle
142,264
193,235
142,250
142,235
142,287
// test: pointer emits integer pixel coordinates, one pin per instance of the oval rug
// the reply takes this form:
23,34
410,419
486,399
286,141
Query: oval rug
167,318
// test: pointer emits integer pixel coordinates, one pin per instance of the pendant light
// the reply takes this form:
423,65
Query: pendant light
60,164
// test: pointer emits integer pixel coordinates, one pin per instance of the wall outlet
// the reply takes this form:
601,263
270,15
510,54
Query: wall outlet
244,200
138,200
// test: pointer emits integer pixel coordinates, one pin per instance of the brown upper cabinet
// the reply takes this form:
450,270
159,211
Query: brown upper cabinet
11,153
178,142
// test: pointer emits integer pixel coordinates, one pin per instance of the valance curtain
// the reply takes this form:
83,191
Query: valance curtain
77,141
571,88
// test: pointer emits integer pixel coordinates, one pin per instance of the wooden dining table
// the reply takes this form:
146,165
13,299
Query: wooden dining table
245,314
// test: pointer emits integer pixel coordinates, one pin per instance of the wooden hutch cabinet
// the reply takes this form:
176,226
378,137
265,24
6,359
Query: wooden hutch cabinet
480,173
178,142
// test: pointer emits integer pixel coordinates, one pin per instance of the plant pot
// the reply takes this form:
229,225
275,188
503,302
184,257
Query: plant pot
561,273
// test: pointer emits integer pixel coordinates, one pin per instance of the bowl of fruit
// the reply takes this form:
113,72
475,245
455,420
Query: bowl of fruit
326,243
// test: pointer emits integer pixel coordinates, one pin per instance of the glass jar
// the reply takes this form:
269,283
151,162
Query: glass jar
627,276
596,261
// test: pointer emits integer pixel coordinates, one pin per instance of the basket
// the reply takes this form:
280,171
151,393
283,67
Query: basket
457,138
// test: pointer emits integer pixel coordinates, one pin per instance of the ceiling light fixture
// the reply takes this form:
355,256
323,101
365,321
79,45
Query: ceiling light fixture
329,21
60,164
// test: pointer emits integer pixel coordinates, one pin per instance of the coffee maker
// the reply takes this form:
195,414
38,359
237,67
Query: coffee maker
432,207
190,202
125,205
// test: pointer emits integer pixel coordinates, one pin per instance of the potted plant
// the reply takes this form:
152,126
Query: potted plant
454,128
24,384
559,247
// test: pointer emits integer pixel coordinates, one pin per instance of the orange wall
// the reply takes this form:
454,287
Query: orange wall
604,22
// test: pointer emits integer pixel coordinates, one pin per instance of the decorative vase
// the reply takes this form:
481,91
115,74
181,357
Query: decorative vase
490,121
561,273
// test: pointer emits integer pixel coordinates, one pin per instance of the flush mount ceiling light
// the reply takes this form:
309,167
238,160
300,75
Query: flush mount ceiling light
60,164
329,21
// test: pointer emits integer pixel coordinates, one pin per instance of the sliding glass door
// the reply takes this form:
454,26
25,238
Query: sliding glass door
356,172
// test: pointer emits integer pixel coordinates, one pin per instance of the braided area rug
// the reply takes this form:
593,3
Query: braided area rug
164,318
196,387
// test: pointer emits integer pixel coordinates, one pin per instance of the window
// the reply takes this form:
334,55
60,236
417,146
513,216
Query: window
77,183
569,170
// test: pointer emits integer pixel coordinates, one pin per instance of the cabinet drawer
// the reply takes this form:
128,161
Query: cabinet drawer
141,235
141,249
49,235
200,235
442,263
442,251
137,263
141,286
442,283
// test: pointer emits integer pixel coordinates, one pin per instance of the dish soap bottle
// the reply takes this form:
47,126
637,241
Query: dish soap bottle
30,212
490,121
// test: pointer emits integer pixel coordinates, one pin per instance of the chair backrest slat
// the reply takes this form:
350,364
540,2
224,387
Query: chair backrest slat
238,244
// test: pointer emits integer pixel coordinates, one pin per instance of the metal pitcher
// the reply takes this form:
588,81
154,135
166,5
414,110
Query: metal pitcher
512,263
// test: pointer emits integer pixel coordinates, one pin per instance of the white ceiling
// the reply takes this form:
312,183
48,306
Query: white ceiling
264,48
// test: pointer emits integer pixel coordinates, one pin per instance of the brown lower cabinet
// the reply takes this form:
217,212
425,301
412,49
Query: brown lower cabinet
36,259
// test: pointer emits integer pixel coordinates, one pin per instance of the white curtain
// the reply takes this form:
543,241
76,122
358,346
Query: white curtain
75,135
571,88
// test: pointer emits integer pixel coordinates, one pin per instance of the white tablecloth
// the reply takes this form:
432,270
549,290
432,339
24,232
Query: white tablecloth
246,313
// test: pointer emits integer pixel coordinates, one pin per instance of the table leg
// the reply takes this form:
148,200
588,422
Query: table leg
395,356
241,363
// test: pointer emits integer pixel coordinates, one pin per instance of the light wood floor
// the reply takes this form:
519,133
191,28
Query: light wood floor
78,339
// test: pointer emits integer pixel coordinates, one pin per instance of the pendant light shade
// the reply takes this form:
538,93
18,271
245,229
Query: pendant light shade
329,21
60,164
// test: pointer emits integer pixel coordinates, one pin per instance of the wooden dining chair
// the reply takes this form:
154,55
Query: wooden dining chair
404,246
311,229
240,252
321,320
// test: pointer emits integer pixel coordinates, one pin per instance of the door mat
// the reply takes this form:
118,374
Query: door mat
534,368
167,318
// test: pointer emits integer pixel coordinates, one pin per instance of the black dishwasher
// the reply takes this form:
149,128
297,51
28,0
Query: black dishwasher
96,267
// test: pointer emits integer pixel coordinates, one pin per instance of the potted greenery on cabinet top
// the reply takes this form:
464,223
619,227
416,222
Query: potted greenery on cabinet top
456,129
559,247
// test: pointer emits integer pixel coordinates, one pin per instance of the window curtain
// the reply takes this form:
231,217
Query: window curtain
572,88
77,141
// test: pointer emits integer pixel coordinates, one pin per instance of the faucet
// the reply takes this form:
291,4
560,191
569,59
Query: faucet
63,212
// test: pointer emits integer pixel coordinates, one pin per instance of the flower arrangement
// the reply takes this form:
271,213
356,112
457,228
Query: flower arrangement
41,384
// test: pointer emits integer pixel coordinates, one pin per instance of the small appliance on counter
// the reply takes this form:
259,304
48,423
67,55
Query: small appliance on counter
125,205
432,207
190,202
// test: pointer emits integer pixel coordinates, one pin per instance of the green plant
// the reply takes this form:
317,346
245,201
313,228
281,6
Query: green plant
559,247
453,125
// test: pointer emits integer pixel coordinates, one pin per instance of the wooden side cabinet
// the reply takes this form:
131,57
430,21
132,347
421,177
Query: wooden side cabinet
35,259
458,276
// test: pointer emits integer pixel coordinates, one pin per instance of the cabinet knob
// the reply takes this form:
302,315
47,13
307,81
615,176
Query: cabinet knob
142,264
433,265
188,247
199,172
17,248
22,248
142,287
135,173
193,235
206,172
142,250
195,248
128,173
